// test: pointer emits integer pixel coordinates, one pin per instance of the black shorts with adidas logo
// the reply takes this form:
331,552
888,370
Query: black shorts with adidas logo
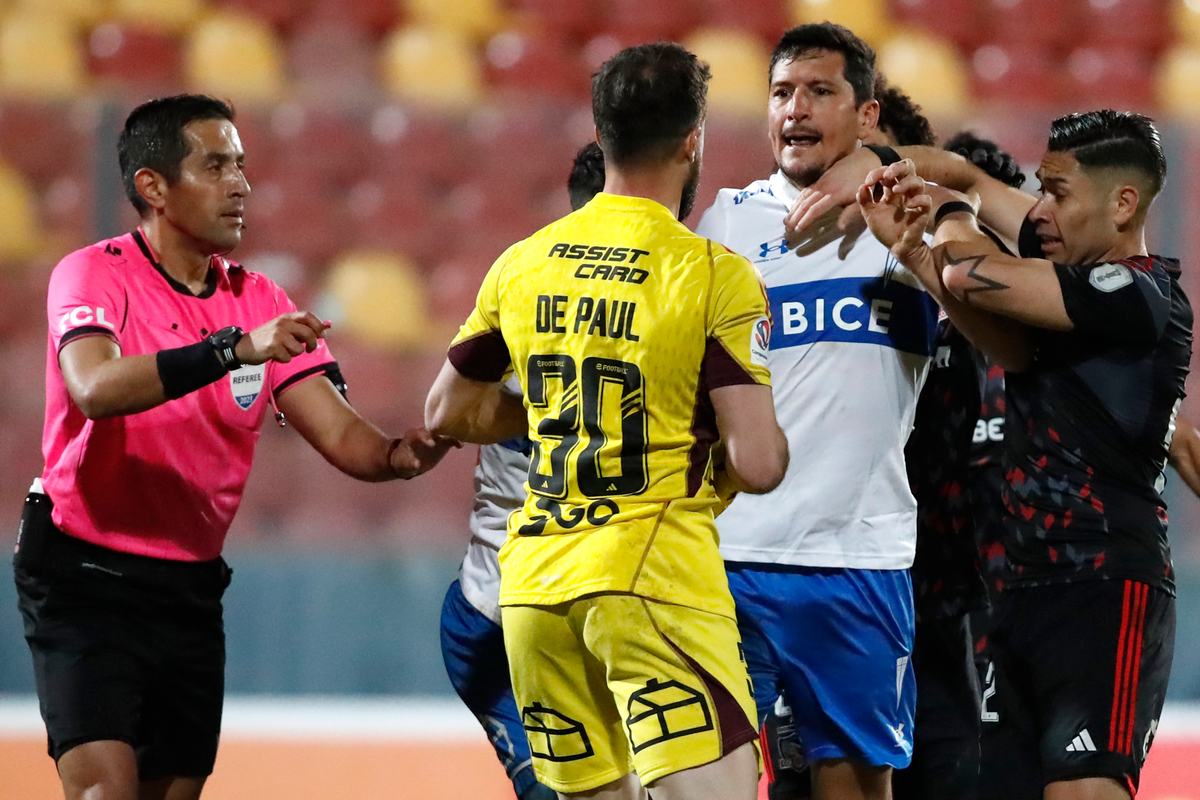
1074,686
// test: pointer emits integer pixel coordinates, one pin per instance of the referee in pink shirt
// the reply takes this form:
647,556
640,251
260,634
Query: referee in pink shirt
162,360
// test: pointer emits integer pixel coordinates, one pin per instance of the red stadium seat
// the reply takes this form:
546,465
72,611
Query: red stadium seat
640,21
387,216
1033,23
324,148
373,16
454,284
576,18
957,20
1130,24
1025,75
293,217
418,151
767,19
45,140
1110,78
126,55
527,147
281,14
333,61
523,63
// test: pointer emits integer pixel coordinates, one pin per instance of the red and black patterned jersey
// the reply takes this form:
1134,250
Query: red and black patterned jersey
945,571
1087,429
987,472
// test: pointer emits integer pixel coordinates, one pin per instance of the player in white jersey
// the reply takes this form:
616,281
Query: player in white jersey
819,567
472,640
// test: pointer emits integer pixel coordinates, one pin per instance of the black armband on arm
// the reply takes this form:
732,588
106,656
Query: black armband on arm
886,154
951,207
186,369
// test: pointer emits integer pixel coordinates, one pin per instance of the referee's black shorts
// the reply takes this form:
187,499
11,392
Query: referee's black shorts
125,647
1076,685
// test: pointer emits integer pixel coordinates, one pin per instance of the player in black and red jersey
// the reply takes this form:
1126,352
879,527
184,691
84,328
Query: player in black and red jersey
1095,338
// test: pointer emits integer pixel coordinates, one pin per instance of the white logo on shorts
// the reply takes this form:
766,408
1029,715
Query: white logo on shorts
246,384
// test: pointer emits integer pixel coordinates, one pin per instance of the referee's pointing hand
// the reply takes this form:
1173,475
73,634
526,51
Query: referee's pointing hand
282,338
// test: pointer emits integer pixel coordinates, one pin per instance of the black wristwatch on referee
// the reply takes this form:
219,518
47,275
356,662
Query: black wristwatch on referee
225,342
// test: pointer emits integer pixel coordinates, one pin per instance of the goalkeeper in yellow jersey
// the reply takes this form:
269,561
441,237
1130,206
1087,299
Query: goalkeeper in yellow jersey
638,345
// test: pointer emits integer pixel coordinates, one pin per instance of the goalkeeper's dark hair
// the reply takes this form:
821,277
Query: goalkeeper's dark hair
900,118
988,156
645,101
587,175
1110,139
858,55
153,138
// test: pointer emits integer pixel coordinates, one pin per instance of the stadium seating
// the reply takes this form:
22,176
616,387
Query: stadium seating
379,299
867,18
333,62
1185,19
577,18
1140,24
1032,23
766,19
739,70
235,56
1109,77
637,21
928,69
432,66
134,57
1179,83
79,12
172,16
476,19
280,14
369,16
1015,74
39,56
528,62
956,20
20,230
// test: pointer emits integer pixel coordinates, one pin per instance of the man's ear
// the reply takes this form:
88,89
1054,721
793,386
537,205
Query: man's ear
1125,198
868,118
693,145
152,186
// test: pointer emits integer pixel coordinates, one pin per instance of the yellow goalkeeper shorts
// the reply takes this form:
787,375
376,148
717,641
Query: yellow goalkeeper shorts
613,683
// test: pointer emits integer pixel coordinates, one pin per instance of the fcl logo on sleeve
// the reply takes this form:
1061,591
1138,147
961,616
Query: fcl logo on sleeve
246,383
760,341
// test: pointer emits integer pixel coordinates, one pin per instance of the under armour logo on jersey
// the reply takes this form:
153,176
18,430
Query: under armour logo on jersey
767,249
1082,743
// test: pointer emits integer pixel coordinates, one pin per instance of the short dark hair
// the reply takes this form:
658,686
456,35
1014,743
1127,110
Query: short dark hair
153,137
1112,139
587,175
646,99
860,58
988,156
900,117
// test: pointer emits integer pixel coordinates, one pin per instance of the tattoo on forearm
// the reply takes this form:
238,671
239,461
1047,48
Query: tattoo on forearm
987,284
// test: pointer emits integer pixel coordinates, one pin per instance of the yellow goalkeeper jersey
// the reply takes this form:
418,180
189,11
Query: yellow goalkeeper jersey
617,321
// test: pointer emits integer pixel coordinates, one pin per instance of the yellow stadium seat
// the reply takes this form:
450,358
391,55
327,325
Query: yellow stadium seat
235,56
1179,82
929,70
171,16
20,232
40,56
1187,20
739,70
79,12
478,19
432,66
867,18
379,299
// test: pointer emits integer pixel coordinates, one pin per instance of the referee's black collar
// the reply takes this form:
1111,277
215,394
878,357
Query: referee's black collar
210,280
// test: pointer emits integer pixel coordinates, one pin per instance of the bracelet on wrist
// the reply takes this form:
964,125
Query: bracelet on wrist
951,207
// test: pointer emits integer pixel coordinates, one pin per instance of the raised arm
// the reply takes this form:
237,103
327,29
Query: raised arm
897,208
1184,454
103,383
349,442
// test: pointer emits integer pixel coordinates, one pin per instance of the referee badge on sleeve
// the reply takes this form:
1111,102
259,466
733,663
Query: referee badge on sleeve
246,383
760,341
1110,277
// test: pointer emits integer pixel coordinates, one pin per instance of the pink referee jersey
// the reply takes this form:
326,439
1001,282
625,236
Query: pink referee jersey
165,482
